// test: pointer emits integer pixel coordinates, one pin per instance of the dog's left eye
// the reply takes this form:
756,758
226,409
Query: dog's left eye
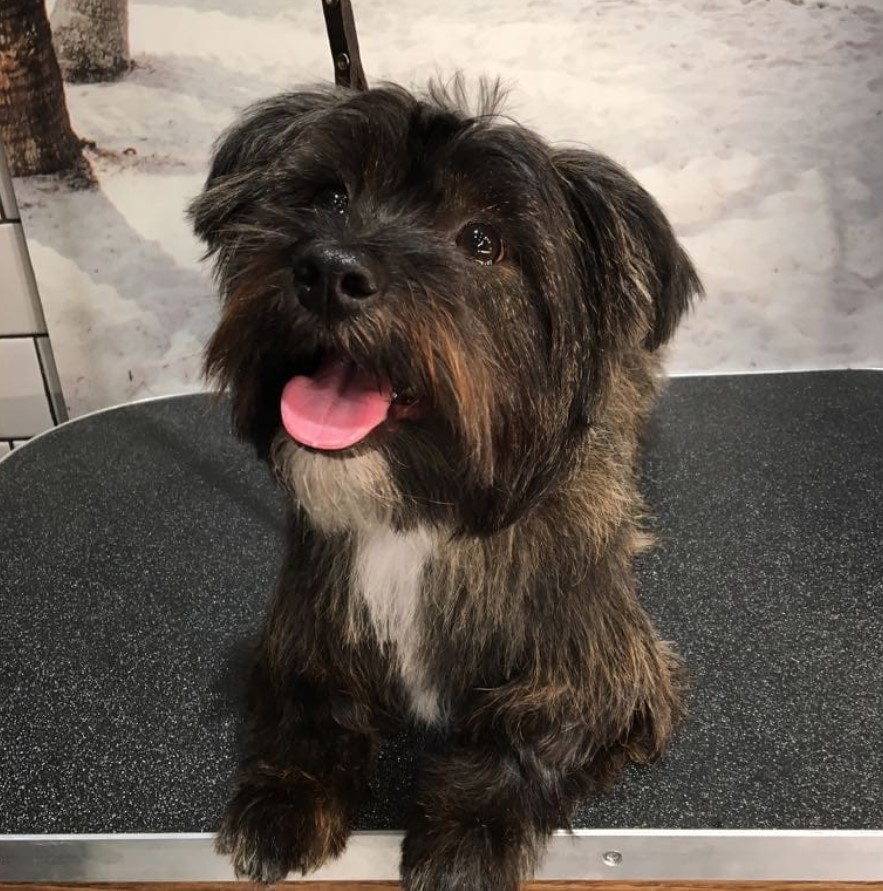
333,198
482,242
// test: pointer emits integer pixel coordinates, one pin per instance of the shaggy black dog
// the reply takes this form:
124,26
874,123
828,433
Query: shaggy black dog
444,335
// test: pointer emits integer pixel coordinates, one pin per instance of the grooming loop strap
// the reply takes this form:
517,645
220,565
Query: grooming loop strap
344,42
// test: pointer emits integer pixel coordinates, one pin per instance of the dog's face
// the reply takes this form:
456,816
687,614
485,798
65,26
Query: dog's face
424,304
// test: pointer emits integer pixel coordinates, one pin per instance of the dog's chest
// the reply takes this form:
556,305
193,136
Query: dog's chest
388,576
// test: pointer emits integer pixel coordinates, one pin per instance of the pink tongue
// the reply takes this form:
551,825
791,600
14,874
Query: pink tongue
336,407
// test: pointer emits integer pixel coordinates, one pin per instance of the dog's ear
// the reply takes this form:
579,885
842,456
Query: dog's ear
638,278
264,133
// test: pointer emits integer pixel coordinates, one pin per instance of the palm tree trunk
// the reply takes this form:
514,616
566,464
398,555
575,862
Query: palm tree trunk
34,123
91,39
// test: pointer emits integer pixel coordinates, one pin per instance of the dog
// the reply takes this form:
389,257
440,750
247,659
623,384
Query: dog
445,336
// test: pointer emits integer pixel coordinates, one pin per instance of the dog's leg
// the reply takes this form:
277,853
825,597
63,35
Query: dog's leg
482,817
523,759
311,747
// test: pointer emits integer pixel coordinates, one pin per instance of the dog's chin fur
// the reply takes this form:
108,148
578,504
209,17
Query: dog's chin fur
471,567
339,493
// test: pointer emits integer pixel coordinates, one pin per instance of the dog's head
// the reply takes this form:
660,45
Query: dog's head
427,300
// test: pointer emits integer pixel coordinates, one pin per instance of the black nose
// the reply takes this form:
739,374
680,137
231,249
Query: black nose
334,281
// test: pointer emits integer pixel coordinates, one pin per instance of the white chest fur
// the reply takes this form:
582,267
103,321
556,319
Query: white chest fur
388,577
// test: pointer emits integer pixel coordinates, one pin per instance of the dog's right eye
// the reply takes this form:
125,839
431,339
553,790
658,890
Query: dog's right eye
482,243
333,198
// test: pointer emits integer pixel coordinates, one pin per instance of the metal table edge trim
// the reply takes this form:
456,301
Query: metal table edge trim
585,854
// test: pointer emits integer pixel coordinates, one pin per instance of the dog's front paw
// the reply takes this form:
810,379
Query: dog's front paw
464,855
272,828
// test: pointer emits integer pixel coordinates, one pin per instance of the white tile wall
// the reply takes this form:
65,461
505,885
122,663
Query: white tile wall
19,314
8,206
24,406
4,449
30,394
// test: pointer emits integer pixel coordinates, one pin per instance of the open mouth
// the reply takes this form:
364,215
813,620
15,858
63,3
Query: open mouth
339,405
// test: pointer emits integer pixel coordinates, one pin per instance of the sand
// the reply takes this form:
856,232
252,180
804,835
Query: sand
757,124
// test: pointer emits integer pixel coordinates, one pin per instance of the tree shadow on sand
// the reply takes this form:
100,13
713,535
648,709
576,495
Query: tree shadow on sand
157,300
169,111
247,9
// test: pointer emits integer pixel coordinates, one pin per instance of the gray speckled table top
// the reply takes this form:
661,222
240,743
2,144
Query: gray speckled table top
136,547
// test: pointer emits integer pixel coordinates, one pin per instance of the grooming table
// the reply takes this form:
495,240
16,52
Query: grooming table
137,545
